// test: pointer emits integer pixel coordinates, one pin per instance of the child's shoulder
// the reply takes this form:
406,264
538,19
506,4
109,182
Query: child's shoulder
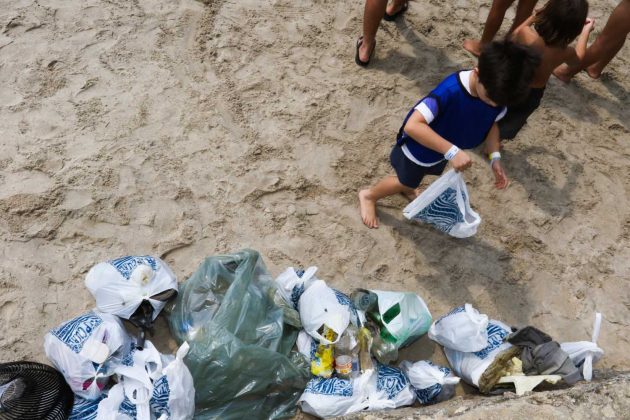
449,84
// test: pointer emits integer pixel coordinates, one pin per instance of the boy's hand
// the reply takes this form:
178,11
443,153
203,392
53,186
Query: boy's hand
589,25
461,161
500,179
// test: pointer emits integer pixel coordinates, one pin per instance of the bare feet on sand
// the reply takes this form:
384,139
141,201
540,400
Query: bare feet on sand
563,73
368,209
473,46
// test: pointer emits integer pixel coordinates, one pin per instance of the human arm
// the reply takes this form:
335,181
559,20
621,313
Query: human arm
575,56
418,129
493,144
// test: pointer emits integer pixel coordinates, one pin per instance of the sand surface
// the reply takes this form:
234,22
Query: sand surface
185,130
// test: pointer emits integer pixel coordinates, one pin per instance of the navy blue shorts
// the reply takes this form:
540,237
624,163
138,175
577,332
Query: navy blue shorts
410,174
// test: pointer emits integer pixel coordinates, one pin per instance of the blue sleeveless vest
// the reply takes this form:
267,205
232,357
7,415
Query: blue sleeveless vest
462,119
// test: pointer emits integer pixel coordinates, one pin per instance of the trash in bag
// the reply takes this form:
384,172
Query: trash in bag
150,385
322,306
86,350
134,288
462,329
393,389
33,391
485,367
378,389
585,354
324,361
445,205
431,383
240,348
85,409
402,317
335,396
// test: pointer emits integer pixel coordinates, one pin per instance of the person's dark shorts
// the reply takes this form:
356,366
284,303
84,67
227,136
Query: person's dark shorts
410,174
517,116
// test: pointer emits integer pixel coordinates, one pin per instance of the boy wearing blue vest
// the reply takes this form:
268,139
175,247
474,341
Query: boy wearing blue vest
460,113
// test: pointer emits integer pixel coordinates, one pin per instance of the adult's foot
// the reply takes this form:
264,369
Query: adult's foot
395,9
365,50
368,209
473,46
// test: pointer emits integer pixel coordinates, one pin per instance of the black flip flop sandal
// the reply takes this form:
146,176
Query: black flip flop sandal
391,18
356,56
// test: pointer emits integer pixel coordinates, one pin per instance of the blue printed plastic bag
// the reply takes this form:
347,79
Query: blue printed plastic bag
445,205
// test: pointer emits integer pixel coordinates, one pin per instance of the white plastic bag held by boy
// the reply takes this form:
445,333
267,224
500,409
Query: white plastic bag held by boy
432,383
445,204
586,353
119,286
471,365
86,350
462,329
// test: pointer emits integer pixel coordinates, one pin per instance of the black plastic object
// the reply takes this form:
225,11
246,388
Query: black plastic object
142,318
33,391
240,343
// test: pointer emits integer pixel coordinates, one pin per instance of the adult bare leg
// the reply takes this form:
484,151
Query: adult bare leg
605,47
616,31
524,9
493,23
372,15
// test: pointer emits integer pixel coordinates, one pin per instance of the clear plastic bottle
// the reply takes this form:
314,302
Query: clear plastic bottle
364,300
347,353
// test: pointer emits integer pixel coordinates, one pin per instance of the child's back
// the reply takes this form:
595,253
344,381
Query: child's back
550,31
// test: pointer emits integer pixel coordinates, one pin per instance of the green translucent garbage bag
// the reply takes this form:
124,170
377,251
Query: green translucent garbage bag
240,346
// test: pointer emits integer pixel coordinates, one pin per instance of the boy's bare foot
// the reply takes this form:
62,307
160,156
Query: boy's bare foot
368,209
563,73
473,46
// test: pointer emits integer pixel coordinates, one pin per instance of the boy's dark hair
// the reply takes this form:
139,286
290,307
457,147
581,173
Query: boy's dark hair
561,21
506,70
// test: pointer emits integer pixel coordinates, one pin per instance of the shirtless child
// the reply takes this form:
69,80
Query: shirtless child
460,113
549,31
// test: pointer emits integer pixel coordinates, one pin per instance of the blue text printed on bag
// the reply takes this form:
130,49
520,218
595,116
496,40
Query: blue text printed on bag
343,299
427,395
332,386
126,265
496,335
84,409
443,212
391,380
161,394
75,332
128,408
453,312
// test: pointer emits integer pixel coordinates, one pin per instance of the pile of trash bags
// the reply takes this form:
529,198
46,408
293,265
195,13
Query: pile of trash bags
112,374
251,346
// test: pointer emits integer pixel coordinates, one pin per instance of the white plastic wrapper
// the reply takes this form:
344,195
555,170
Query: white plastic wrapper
463,329
120,285
471,365
87,350
585,354
432,383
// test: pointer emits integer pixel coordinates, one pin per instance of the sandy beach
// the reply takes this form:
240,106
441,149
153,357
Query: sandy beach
184,130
